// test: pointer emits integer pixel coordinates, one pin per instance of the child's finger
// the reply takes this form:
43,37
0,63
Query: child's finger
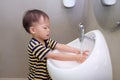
85,52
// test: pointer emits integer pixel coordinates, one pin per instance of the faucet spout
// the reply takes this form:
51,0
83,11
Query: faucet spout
81,28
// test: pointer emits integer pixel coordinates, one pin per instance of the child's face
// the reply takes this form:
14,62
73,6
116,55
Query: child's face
41,30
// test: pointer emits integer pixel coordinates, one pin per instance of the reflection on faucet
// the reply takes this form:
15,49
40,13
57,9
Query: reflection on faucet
81,28
82,34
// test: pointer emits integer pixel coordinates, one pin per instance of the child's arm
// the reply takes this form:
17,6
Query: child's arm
70,49
67,48
65,57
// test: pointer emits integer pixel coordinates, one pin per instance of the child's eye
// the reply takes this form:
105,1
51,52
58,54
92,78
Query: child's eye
45,27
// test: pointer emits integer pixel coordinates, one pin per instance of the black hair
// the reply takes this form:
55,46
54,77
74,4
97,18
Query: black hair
32,16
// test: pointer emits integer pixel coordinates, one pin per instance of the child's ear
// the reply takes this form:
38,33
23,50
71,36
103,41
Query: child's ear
32,30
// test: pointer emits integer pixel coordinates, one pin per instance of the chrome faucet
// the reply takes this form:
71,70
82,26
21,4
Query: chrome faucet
82,35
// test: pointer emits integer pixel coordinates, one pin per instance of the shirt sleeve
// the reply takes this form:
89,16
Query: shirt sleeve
51,43
40,51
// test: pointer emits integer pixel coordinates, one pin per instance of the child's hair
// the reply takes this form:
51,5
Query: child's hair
31,17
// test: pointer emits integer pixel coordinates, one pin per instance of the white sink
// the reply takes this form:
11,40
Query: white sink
97,65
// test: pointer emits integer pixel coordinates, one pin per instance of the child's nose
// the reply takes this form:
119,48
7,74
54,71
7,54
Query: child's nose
48,29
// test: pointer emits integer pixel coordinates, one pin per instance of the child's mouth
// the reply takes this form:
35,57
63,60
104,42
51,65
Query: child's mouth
48,35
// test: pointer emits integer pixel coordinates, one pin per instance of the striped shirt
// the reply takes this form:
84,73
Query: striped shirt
37,61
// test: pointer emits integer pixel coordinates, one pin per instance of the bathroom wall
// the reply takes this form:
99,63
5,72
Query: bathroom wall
64,28
14,39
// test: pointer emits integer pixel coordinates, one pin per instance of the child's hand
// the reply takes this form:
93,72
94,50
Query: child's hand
81,57
85,53
77,51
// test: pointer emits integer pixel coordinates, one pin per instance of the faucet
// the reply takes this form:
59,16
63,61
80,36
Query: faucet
81,28
82,34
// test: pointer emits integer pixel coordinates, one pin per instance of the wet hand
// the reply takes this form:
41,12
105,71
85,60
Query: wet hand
82,57
85,53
